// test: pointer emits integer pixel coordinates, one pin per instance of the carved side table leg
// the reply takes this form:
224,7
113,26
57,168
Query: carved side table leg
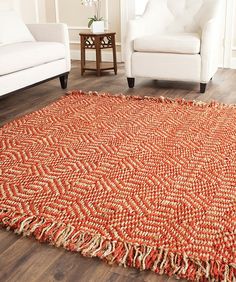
98,55
114,54
82,55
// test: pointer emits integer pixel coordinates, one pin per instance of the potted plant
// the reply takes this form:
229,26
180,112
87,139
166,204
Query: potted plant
96,23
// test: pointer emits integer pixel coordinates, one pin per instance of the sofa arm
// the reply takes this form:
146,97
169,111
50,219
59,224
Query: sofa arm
49,32
210,50
52,33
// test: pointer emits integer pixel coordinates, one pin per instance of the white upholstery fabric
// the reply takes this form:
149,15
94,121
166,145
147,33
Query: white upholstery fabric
53,35
162,19
20,56
183,43
13,29
167,66
27,77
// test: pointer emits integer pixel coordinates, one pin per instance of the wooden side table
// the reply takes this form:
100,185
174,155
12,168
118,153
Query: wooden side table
98,42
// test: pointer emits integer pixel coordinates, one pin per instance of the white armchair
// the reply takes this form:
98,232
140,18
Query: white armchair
175,40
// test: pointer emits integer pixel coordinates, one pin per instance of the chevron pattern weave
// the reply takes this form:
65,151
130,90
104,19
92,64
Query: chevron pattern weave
143,182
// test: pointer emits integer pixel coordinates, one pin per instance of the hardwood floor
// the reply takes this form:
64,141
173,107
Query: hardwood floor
25,259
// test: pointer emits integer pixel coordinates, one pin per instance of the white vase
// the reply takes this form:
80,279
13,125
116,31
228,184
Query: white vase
98,27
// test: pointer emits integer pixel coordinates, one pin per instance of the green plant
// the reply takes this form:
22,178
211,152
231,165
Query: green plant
94,19
97,7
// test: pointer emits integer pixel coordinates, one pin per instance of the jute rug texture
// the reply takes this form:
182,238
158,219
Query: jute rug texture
142,182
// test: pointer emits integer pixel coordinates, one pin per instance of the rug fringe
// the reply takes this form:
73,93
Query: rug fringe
159,260
161,99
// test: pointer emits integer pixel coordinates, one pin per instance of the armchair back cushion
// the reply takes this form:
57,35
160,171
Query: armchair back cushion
178,15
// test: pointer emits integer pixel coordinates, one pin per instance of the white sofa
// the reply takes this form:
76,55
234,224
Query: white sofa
28,63
175,40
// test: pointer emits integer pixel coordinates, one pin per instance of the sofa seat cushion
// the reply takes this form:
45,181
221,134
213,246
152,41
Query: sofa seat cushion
179,43
20,56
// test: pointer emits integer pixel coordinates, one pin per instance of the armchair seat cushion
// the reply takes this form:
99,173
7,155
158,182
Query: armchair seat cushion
19,56
179,43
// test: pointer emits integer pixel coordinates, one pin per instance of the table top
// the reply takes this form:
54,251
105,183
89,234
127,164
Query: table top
89,33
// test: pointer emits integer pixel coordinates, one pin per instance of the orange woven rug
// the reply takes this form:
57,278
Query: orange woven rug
142,182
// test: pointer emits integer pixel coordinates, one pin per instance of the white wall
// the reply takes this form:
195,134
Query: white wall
31,11
76,15
232,33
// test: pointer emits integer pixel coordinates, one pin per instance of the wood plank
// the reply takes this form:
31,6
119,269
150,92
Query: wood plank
15,256
68,267
6,239
40,258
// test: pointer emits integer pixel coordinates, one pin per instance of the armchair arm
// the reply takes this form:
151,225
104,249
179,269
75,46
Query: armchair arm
136,28
52,33
148,24
210,22
210,49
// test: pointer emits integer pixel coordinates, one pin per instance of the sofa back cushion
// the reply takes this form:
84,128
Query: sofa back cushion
13,29
7,5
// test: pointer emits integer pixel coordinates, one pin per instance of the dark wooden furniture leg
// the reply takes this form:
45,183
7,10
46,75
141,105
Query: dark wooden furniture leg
131,82
203,87
82,55
64,80
114,53
98,55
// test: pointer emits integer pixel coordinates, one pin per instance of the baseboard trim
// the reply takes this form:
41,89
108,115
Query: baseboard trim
90,55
